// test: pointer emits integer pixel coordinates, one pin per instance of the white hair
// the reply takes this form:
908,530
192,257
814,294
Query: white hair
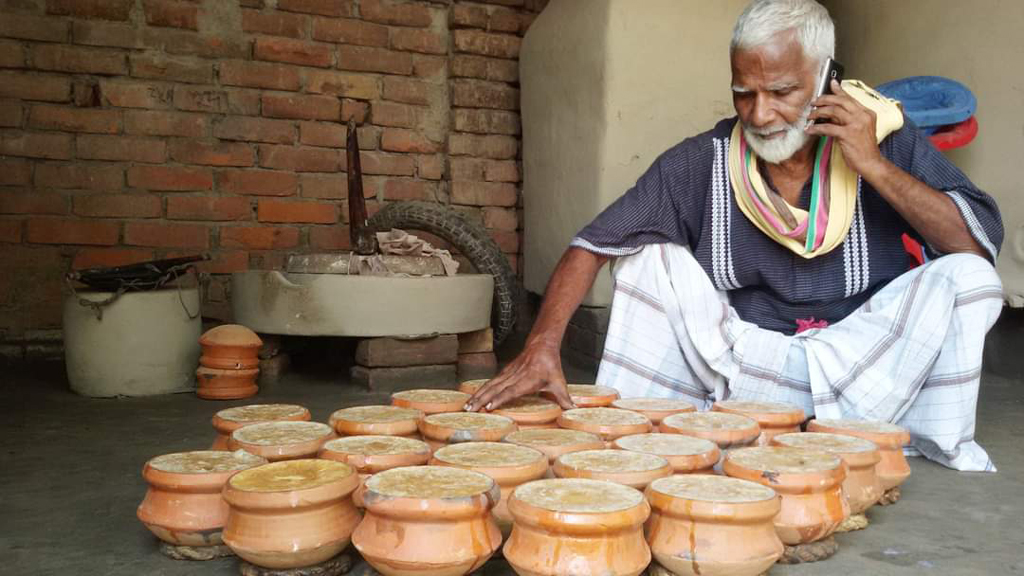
763,19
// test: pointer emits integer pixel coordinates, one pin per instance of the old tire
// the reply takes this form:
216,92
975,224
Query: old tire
469,239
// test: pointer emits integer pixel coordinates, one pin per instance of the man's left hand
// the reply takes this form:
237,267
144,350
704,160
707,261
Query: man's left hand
853,127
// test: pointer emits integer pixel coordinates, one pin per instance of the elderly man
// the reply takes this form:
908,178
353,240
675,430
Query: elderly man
763,260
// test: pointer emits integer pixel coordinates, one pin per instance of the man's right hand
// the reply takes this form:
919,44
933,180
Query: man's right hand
537,368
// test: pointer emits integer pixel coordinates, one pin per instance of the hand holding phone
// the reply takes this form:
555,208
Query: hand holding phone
832,70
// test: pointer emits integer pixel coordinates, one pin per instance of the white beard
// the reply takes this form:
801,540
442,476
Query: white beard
778,150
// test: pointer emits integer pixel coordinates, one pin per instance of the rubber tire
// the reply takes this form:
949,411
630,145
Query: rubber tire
471,240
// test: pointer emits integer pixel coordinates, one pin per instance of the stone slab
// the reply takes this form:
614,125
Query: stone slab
478,365
405,378
394,352
476,341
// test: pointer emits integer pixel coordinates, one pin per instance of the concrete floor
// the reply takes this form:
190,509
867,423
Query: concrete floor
70,482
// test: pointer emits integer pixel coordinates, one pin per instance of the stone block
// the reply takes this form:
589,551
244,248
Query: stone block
393,379
593,318
393,352
477,341
477,365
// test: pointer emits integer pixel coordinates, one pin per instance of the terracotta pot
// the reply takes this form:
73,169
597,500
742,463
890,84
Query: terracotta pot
698,522
861,487
507,464
281,440
555,442
230,347
588,396
531,412
230,419
431,401
726,430
686,454
471,386
376,421
893,469
291,514
633,469
429,521
774,418
656,409
372,454
608,423
809,482
183,505
456,427
216,384
577,527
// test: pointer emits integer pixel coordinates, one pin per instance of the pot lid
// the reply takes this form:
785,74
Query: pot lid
591,391
432,396
205,461
526,404
612,461
873,426
429,482
468,420
653,404
377,445
488,454
712,488
471,386
783,460
606,416
551,437
760,407
376,414
578,495
709,421
279,433
834,443
291,475
666,444
261,412
230,335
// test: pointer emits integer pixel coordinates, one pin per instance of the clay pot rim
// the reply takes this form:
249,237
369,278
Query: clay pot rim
370,464
578,523
724,438
856,460
607,432
429,407
292,499
229,363
884,440
718,512
231,335
767,419
637,479
655,415
190,482
790,483
444,434
405,427
553,451
544,416
505,475
419,509
226,427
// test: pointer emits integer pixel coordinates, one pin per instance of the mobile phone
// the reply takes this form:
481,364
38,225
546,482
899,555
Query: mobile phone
832,70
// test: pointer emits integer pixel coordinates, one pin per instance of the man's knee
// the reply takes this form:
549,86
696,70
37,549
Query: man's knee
968,272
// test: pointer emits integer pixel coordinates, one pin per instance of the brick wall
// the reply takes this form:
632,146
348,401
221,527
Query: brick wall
134,129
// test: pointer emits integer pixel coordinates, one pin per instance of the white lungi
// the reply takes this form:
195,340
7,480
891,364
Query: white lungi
910,355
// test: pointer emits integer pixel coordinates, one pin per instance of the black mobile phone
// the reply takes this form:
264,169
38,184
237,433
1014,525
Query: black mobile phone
832,70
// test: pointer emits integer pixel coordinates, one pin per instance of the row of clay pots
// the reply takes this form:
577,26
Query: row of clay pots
229,364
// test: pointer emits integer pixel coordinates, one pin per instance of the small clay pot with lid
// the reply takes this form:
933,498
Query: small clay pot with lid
633,469
281,440
656,409
712,525
230,347
430,401
726,430
230,419
291,514
507,464
588,395
556,441
183,505
376,421
226,384
809,482
861,487
774,418
892,469
608,423
686,454
531,412
456,427
577,527
428,521
471,386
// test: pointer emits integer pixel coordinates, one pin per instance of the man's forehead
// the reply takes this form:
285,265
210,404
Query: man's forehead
778,63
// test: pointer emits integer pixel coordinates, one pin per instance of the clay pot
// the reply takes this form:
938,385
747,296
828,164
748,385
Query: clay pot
217,384
633,469
183,505
376,421
809,482
372,454
431,401
656,409
230,419
588,396
291,514
686,454
774,418
608,423
281,440
230,347
456,427
531,412
726,430
429,521
712,526
577,527
507,464
893,469
471,386
556,441
861,487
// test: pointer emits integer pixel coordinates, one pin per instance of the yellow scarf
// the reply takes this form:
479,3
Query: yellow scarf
832,201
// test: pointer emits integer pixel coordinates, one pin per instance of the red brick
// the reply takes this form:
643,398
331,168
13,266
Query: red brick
34,87
429,66
103,257
293,52
34,28
501,171
399,140
406,90
153,123
508,2
468,16
423,41
170,178
64,231
254,130
215,154
494,147
296,212
93,120
367,59
354,109
162,67
480,94
430,167
500,218
330,238
301,107
172,14
121,148
162,235
387,164
502,20
244,102
486,44
33,203
468,169
259,75
396,115
117,205
190,43
343,8
15,172
225,262
396,13
299,158
207,208
136,94
402,189
100,9
484,193
345,31
76,59
332,186
107,34
12,55
257,182
357,86
465,66
80,176
53,146
483,121
274,23
11,115
508,242
259,237
334,135
10,231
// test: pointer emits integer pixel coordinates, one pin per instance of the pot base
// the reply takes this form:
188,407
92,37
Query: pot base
336,566
195,552
656,569
853,523
890,497
810,552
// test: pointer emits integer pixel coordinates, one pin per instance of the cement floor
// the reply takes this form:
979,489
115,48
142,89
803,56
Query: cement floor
70,482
